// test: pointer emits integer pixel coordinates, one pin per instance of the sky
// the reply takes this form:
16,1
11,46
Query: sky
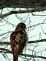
34,32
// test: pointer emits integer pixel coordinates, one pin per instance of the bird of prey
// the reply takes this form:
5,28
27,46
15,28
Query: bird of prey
18,40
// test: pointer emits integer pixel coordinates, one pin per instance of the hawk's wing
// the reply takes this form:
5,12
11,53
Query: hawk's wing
18,38
18,41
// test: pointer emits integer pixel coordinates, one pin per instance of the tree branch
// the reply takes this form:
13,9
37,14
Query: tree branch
27,55
19,12
33,56
5,50
35,41
7,14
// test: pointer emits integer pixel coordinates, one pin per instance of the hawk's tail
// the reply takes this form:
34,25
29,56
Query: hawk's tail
15,58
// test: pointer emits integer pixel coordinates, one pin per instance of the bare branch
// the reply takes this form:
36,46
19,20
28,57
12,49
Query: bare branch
27,55
7,14
35,41
33,56
3,49
17,12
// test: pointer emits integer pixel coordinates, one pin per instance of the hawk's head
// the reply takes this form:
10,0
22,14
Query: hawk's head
21,26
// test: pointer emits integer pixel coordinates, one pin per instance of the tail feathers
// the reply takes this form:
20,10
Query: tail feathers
15,58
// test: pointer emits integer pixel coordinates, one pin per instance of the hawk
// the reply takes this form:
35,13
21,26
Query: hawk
18,40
